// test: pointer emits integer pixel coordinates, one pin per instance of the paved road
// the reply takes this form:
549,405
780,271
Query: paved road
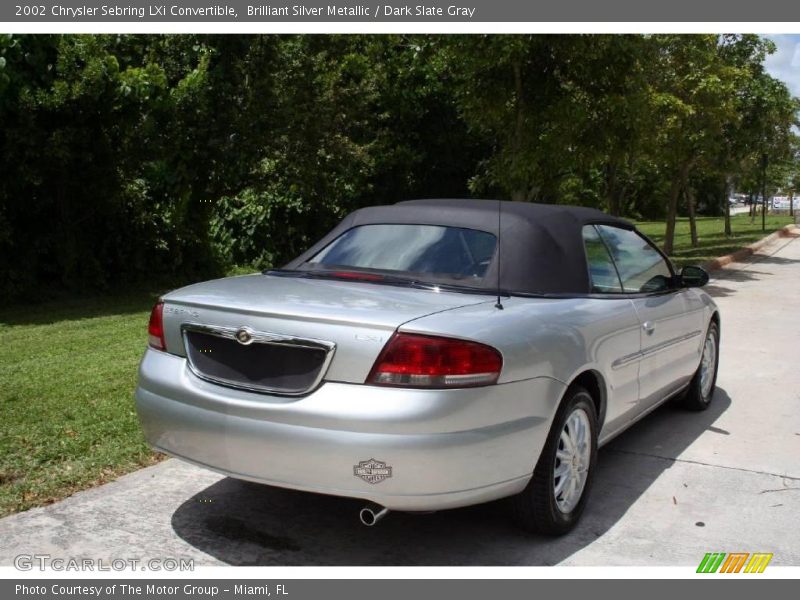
739,209
674,487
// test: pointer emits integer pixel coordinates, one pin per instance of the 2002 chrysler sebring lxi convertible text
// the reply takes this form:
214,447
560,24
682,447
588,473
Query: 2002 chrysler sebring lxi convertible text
432,354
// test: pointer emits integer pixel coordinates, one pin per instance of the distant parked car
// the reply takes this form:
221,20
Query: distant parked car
430,355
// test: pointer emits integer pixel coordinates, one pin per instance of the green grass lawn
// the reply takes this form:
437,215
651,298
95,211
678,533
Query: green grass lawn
68,371
711,236
67,416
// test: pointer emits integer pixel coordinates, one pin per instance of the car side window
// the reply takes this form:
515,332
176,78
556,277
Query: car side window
602,273
641,267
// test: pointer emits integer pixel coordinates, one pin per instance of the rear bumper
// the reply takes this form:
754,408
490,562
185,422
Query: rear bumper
446,448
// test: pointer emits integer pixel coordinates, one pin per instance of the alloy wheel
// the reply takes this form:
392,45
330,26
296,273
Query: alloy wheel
708,364
572,461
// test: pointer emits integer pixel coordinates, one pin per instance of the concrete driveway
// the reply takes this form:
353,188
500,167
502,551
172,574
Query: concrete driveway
669,490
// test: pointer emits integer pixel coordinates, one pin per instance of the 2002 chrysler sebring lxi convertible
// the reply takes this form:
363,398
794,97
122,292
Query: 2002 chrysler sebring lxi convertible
432,354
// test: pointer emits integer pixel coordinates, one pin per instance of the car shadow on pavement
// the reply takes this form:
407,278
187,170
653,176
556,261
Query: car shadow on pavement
716,288
771,259
242,523
747,272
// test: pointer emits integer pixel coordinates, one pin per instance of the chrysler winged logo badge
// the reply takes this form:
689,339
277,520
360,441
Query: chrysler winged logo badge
243,336
372,471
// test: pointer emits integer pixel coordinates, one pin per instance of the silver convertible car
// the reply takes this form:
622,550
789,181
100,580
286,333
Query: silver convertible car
433,354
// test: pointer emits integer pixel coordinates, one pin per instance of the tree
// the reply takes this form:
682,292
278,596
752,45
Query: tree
130,157
694,92
514,92
765,113
611,82
71,109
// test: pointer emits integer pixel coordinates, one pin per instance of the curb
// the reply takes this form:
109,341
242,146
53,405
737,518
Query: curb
749,250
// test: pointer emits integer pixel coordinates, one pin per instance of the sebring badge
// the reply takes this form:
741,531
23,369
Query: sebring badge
372,471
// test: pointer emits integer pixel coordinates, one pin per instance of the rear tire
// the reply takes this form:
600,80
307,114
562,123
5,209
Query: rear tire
554,499
701,388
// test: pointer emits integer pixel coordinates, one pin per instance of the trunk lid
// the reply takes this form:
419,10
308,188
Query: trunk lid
357,317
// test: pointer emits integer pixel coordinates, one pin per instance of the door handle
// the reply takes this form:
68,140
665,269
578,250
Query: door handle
649,327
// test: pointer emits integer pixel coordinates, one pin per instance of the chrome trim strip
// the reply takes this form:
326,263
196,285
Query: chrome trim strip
626,360
629,358
258,337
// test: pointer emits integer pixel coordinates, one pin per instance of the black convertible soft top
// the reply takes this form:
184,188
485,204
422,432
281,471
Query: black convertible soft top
541,245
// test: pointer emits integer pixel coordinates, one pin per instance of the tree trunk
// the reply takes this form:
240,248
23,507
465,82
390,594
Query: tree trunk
623,194
728,194
689,192
791,203
672,213
672,209
692,223
764,161
520,191
612,198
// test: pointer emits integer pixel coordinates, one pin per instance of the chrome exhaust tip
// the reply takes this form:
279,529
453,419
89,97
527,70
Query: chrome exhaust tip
370,516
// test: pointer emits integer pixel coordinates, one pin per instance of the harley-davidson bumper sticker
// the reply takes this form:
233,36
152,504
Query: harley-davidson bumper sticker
372,471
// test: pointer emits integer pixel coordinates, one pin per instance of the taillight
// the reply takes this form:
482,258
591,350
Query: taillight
411,360
155,329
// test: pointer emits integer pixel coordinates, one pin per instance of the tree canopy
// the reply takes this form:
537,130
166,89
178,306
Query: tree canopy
175,157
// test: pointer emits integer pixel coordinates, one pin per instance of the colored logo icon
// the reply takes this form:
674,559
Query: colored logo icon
734,562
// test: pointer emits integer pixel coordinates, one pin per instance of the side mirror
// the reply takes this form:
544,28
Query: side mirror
693,276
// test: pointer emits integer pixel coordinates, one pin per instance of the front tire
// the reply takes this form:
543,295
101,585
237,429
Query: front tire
701,389
556,495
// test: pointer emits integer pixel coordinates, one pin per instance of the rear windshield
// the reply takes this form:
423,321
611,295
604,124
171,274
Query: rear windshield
434,251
